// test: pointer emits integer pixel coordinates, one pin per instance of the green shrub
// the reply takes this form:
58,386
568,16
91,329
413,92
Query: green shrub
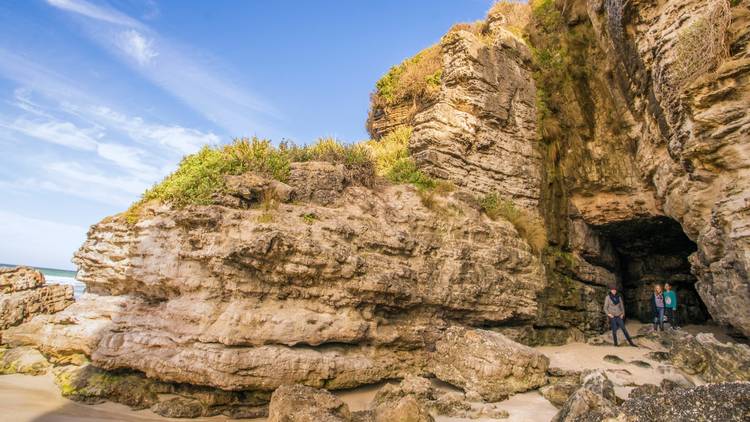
406,171
528,226
392,160
200,176
390,149
309,217
416,78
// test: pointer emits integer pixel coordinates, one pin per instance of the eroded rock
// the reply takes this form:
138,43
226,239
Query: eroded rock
24,295
488,363
299,403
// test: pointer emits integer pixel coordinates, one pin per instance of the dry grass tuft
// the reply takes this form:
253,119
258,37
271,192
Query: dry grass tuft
417,79
529,226
702,44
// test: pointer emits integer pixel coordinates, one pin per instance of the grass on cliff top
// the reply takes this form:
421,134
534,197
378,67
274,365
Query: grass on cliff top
530,227
416,78
200,176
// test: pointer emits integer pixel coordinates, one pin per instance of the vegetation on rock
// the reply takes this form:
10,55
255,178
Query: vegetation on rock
702,44
529,227
200,177
416,78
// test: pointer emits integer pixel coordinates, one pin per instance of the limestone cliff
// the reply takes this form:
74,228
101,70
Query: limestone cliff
642,132
585,114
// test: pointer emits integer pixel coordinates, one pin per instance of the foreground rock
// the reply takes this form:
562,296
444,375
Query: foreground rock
724,402
299,403
24,295
595,400
488,363
710,359
23,360
92,385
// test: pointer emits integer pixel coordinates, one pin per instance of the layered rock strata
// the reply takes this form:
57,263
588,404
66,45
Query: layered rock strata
481,132
359,293
688,133
25,294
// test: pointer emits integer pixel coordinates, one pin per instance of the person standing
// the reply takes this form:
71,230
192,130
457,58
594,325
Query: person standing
615,311
670,305
657,307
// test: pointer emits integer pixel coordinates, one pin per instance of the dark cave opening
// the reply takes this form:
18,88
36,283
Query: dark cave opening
655,251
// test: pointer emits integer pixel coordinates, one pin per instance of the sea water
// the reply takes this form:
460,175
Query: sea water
55,276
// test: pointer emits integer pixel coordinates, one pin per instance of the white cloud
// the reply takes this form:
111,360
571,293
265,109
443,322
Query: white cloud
135,45
34,241
95,12
181,139
193,77
61,133
80,175
127,158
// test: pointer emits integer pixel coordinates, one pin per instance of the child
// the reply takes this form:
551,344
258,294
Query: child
615,311
657,307
670,305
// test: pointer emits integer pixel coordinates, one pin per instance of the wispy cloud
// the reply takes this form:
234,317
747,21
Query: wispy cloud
62,133
101,13
193,77
137,46
179,138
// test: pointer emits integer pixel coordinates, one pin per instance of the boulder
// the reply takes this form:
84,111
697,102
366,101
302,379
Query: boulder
23,360
558,393
251,189
488,363
705,356
299,403
357,296
318,181
593,402
407,409
20,278
24,295
71,335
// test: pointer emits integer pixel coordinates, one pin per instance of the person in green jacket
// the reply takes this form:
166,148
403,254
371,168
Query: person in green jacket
670,305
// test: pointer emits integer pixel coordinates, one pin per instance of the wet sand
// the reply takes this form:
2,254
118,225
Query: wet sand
25,398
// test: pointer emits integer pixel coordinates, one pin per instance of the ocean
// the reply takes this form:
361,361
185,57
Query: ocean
55,276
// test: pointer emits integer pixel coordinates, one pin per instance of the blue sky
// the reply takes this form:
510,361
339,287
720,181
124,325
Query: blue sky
100,99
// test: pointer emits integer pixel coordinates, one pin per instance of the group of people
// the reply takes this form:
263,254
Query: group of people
663,304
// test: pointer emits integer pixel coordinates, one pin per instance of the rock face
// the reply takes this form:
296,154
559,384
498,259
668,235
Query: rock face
488,363
481,132
689,136
24,295
361,294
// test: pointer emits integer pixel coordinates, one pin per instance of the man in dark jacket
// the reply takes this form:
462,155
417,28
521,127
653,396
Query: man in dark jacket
615,310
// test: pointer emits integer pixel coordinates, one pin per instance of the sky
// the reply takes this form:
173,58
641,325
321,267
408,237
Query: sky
99,100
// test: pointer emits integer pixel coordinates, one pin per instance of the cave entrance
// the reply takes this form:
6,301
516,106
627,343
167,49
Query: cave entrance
655,251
